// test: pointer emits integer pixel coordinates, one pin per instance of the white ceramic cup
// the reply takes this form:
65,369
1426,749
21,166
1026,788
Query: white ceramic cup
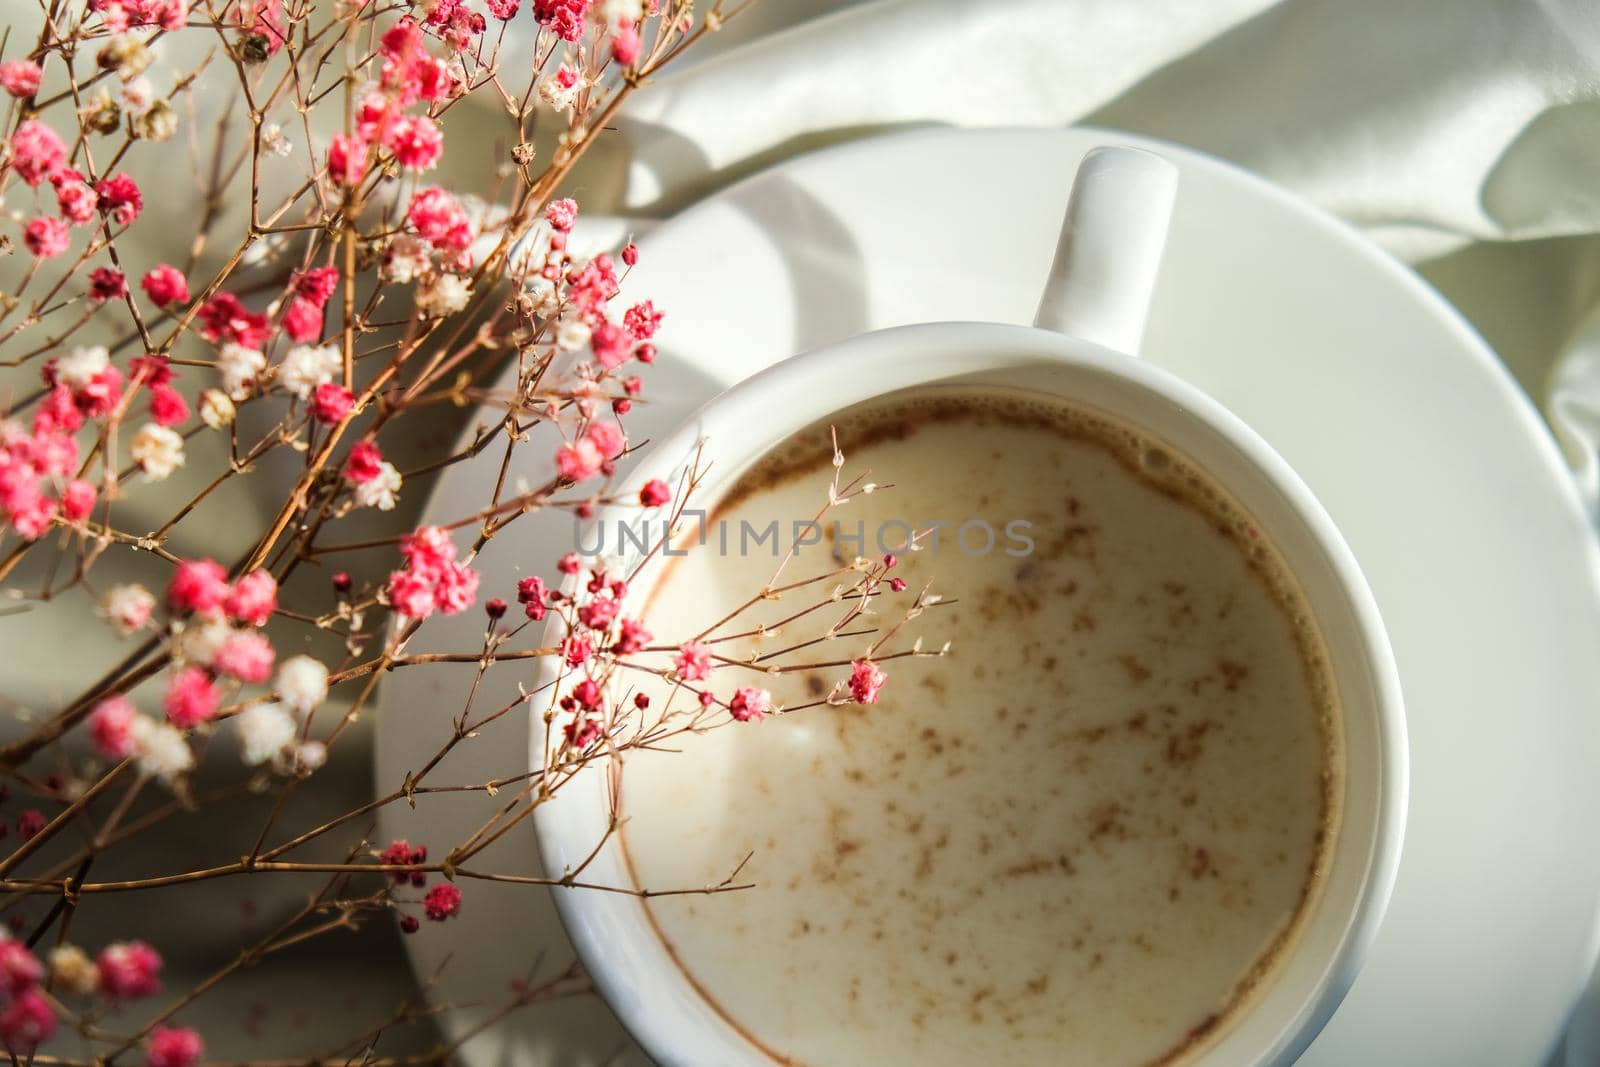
1081,349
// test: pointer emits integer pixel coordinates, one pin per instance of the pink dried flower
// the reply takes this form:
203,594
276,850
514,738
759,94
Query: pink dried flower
411,594
31,512
46,236
77,500
562,214
432,579
866,678
174,1046
630,254
442,902
607,437
20,969
165,284
107,283
750,704
36,152
253,598
694,661
364,463
503,9
897,584
581,732
531,594
569,563
198,586
152,369
129,970
656,493
347,159
587,693
428,547
56,417
415,141
192,697
29,823
631,637
626,44
401,853
331,402
439,220
167,406
111,727
564,18
302,320
98,396
599,613
579,460
245,655
590,286
78,202
611,343
27,1023
457,589
642,320
120,196
408,70
118,15
317,285
575,650
224,318
21,77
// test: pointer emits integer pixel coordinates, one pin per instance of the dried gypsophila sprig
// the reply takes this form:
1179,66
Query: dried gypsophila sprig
352,296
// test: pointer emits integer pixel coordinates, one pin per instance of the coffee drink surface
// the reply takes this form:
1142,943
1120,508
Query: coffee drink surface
1085,837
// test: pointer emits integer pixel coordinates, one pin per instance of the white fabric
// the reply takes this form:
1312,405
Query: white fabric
1431,126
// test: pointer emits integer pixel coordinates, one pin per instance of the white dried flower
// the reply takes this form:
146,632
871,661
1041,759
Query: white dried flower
573,335
379,491
310,756
561,88
77,369
302,683
216,409
127,55
305,367
274,142
127,607
264,731
73,970
406,257
445,294
160,750
100,112
240,368
157,449
539,298
611,12
157,124
200,640
137,96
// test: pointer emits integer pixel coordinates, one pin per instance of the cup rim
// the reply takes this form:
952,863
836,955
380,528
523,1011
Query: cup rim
949,349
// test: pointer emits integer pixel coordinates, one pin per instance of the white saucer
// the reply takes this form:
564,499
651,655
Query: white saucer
1442,477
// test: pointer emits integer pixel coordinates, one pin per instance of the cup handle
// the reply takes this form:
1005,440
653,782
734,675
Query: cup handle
1110,248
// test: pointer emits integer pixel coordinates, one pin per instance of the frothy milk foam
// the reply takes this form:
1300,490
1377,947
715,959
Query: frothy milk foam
1081,839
